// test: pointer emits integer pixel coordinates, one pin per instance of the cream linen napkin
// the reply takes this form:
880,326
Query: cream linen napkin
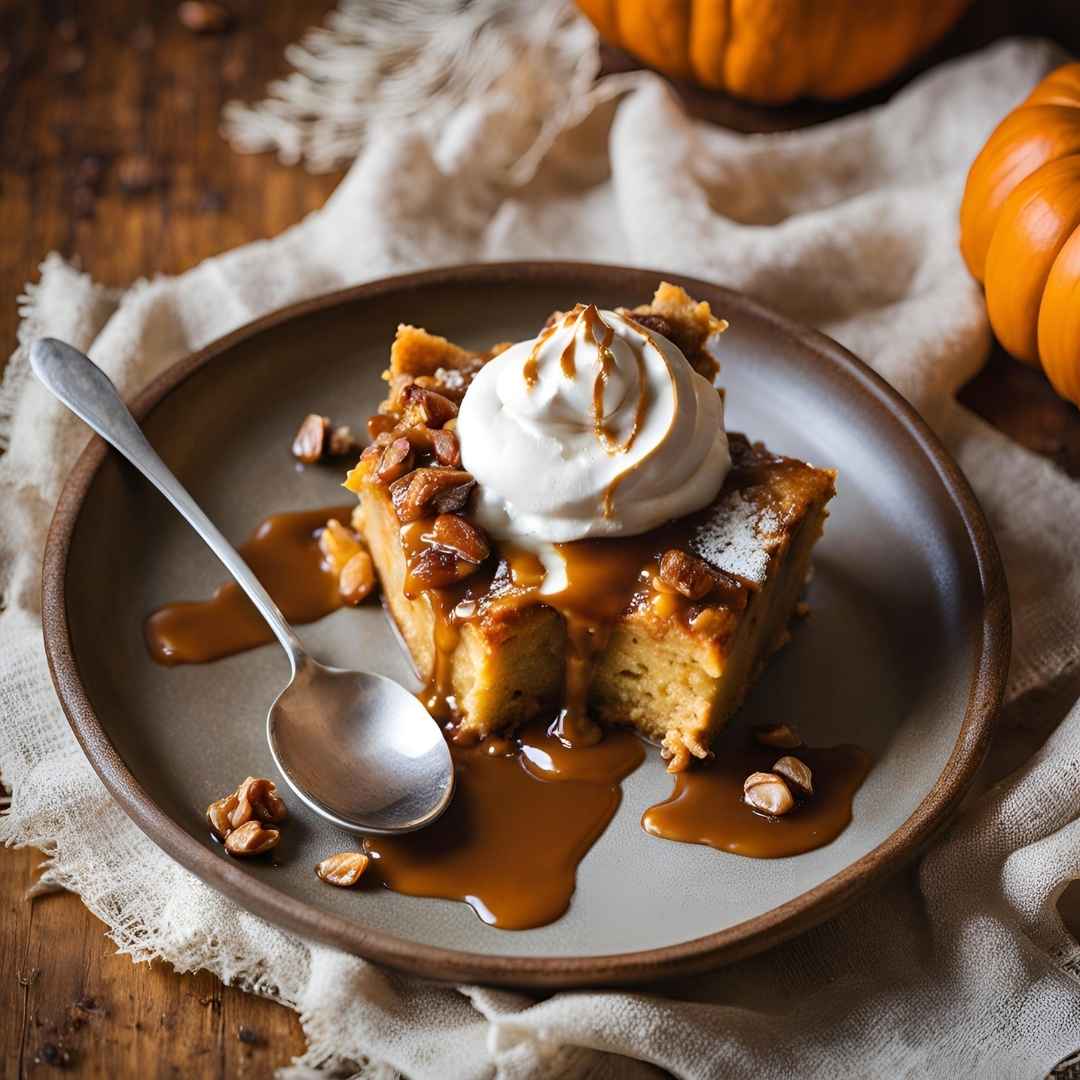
960,966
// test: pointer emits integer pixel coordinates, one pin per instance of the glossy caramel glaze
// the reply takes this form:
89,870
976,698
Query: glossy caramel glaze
284,554
707,804
523,816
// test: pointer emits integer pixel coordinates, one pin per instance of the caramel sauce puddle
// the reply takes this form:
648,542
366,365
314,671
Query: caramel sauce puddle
521,821
284,554
707,804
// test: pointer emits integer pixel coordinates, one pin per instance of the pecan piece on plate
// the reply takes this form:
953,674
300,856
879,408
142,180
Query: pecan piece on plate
251,839
258,798
797,774
309,442
218,814
767,792
342,441
686,574
357,578
426,492
344,869
339,544
781,736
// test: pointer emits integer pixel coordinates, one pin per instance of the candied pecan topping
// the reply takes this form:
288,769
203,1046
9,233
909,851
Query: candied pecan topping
251,839
380,424
445,446
343,869
657,323
377,446
357,578
462,537
396,460
427,407
429,491
309,442
438,568
420,436
686,574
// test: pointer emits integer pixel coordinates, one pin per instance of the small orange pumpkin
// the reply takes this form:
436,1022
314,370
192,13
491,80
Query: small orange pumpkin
1020,229
773,51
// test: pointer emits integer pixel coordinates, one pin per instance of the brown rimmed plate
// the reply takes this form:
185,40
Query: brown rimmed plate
905,652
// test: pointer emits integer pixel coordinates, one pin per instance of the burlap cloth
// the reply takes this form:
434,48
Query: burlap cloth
960,966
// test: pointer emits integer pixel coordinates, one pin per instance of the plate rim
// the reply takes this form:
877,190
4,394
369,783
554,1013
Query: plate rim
545,972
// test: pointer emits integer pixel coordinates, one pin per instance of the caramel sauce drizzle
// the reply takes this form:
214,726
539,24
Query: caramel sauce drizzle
567,364
284,554
530,369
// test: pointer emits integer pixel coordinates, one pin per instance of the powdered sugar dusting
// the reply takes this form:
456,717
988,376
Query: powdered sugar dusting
738,536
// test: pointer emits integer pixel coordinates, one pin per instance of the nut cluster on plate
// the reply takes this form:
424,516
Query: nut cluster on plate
775,792
243,820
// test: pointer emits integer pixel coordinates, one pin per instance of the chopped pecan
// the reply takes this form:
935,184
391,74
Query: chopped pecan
767,792
338,544
344,869
797,774
445,446
309,442
427,407
686,574
257,797
397,460
657,323
781,736
251,839
380,424
430,491
342,441
374,450
461,537
357,578
420,436
217,814
437,568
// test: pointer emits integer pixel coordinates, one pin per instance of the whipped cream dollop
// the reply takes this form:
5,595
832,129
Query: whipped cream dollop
597,427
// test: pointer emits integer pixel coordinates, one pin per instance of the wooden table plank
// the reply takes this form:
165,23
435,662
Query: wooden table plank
90,93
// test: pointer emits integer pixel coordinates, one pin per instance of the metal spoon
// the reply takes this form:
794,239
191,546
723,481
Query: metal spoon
359,749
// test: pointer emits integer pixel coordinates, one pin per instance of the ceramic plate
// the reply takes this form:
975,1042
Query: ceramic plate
905,652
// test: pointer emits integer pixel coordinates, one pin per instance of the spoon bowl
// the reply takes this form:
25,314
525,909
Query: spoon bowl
393,772
357,748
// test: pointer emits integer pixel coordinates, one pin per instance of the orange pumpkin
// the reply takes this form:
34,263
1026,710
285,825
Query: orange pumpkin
772,51
1020,229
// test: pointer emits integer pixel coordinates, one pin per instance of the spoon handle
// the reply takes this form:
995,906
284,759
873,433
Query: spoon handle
86,390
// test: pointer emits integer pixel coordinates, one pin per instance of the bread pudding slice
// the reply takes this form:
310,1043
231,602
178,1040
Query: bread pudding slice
665,631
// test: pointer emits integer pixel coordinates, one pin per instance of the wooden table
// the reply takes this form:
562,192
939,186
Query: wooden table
109,153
